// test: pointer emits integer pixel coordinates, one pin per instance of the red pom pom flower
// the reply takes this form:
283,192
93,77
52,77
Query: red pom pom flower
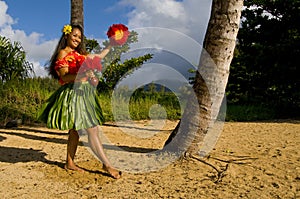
91,64
118,34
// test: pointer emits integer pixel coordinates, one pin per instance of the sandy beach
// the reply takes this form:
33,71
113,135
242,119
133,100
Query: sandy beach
250,160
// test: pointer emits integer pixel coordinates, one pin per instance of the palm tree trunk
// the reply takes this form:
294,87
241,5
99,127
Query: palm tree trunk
211,79
77,12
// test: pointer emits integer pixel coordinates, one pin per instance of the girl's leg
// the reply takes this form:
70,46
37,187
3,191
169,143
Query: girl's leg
97,148
73,141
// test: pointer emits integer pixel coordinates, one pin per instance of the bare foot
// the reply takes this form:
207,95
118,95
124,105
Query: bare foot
114,173
73,168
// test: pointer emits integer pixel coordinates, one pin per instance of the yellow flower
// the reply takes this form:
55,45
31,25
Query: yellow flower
70,58
67,29
119,34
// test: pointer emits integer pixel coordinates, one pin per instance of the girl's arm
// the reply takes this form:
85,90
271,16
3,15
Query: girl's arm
68,77
63,72
102,54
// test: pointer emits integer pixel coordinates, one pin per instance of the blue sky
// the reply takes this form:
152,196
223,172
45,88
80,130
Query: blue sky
37,24
48,17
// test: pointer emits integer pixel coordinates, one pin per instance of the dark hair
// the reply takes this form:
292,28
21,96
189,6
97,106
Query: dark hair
61,45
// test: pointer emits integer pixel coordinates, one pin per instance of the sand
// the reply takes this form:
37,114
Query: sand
250,160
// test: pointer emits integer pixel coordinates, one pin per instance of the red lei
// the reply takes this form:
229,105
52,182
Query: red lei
77,63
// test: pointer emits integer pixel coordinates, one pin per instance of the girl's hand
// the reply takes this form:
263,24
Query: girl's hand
93,80
89,74
63,71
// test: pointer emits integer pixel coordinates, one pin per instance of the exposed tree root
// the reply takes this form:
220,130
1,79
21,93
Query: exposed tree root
221,171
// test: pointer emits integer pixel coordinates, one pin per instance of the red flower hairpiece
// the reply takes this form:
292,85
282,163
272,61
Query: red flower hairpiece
118,34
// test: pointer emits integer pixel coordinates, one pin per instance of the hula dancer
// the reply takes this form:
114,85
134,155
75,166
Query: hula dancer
74,106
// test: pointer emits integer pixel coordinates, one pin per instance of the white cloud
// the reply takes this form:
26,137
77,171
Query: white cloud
161,13
189,17
38,70
5,19
37,51
177,27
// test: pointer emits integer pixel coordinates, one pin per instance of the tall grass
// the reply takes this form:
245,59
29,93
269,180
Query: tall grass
22,99
141,105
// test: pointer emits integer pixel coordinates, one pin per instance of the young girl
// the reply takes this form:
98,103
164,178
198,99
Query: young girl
74,106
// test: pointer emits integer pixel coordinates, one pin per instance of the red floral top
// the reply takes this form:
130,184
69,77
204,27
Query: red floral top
77,63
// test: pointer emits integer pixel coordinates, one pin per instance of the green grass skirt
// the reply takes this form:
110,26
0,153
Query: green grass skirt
72,106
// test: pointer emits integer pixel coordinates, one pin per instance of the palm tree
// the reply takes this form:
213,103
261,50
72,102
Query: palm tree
13,62
211,78
77,12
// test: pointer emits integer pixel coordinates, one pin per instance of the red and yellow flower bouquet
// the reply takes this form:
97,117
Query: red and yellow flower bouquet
118,34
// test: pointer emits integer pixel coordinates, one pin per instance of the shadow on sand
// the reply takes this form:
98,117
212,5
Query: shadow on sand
15,155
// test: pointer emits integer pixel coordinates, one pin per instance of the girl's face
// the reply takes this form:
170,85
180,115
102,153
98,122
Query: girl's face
74,38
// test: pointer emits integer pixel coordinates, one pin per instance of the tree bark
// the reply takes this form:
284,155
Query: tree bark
211,79
77,12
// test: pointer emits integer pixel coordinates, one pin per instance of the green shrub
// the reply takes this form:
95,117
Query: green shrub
21,99
249,113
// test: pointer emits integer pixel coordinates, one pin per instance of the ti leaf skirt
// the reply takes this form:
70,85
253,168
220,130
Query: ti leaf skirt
72,106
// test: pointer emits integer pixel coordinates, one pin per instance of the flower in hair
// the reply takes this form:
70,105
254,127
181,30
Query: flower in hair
67,29
118,34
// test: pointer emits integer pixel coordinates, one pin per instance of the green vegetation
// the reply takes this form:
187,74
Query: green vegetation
113,68
263,82
13,62
249,113
265,70
23,100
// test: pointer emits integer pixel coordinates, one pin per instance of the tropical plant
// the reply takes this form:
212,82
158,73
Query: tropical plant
265,68
13,62
113,69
